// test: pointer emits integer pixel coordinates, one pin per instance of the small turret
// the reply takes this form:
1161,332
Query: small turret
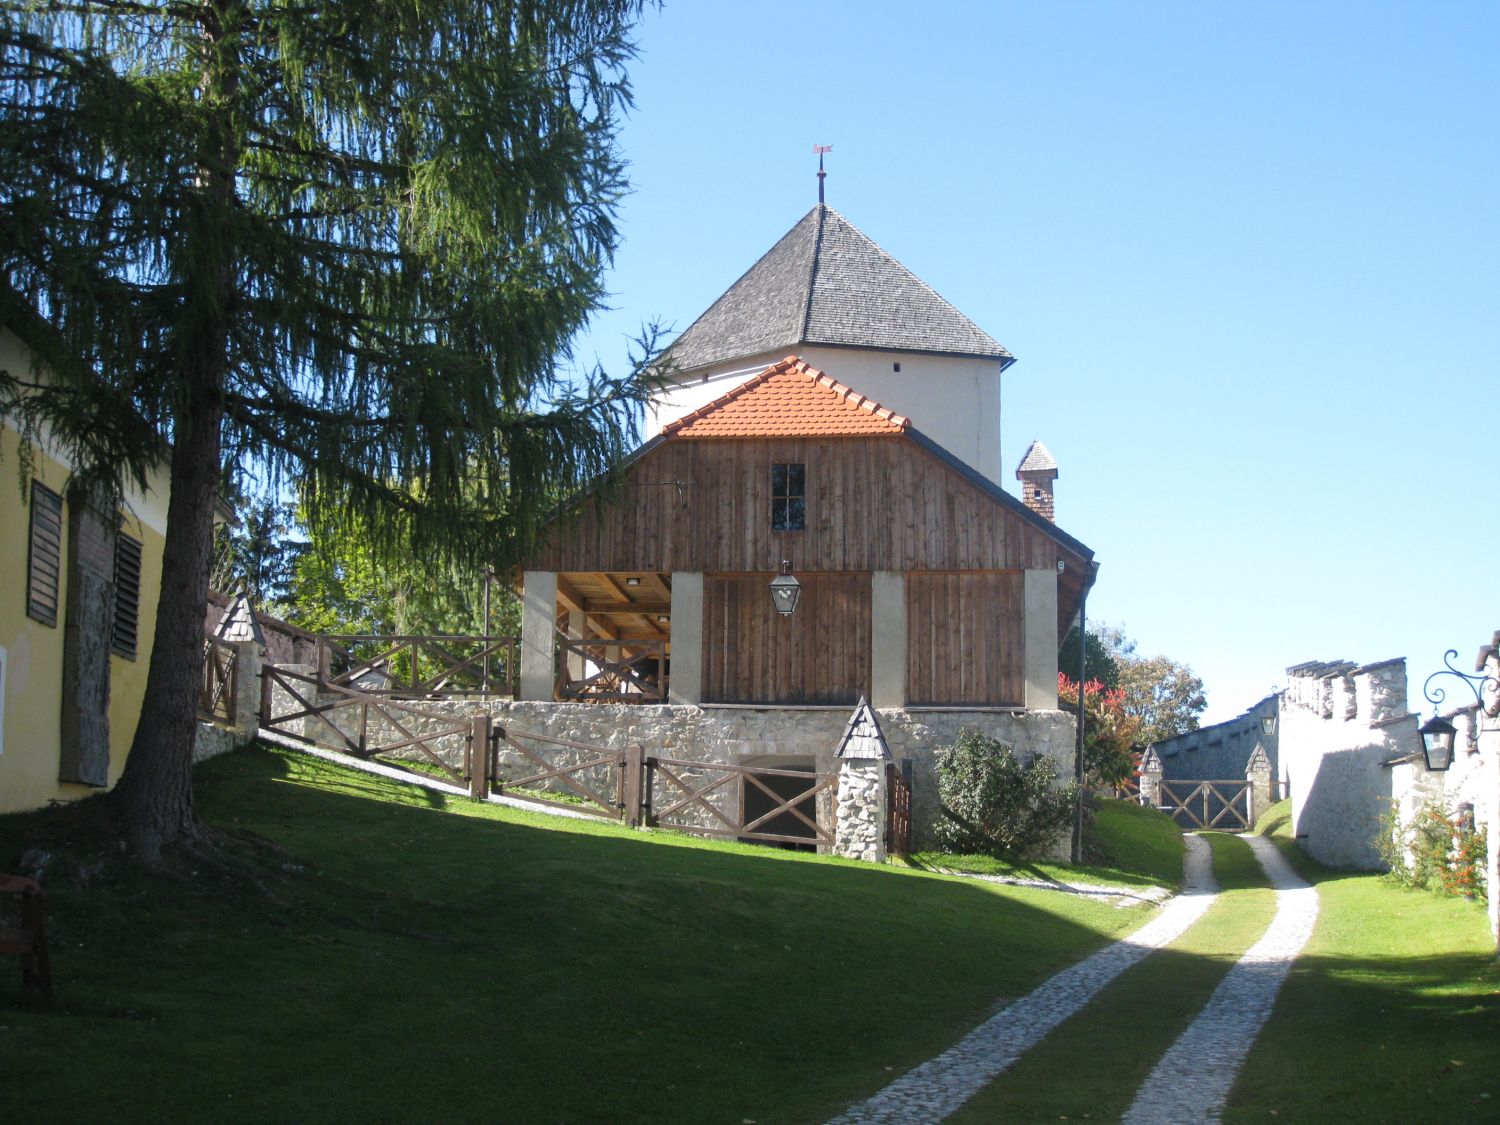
1036,472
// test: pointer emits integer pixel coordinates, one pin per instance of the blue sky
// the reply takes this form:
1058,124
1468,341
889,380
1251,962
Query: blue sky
1247,256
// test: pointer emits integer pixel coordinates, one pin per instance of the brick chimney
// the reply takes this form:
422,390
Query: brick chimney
1036,472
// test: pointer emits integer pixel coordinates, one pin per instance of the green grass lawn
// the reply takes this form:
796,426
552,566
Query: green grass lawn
1392,1014
1276,821
1126,844
410,957
1109,1048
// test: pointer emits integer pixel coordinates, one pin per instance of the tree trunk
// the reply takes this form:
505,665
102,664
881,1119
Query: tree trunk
156,789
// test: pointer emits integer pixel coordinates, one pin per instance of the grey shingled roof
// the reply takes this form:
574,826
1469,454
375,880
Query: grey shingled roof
827,283
863,739
1038,459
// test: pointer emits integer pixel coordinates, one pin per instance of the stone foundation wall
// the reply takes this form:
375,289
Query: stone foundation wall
766,736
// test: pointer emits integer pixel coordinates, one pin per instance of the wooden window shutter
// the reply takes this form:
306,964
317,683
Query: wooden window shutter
122,639
44,555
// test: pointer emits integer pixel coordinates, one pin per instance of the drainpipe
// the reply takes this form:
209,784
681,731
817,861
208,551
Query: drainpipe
1083,659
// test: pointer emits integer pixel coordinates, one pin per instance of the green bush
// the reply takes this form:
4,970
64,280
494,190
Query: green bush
993,804
1434,852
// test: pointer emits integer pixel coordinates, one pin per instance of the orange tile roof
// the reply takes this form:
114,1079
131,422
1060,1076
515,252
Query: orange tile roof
789,399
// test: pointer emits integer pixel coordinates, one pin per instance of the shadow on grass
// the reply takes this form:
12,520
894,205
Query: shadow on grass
399,964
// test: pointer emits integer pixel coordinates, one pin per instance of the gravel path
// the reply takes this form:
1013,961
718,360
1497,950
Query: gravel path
1192,1080
939,1086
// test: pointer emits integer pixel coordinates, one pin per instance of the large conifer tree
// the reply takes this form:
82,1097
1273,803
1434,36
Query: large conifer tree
339,243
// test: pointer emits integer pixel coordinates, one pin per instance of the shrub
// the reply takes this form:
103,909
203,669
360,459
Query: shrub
1434,852
993,804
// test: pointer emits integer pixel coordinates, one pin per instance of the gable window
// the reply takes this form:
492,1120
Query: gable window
788,497
122,637
44,555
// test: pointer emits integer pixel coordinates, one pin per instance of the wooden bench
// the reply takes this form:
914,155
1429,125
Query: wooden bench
24,932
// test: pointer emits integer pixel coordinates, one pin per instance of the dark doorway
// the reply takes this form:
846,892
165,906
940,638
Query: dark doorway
755,802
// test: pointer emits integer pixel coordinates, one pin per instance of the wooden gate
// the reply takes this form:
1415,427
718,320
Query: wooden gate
898,808
705,798
1215,806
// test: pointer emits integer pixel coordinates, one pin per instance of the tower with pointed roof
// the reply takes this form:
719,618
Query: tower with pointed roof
828,294
1037,472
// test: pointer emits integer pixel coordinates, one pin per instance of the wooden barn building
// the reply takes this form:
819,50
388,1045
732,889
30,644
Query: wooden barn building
830,416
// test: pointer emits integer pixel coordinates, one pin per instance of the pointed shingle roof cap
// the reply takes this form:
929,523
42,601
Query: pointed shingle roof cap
825,282
862,739
789,399
1038,459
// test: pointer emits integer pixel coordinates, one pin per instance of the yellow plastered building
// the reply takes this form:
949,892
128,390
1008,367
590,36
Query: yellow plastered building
41,551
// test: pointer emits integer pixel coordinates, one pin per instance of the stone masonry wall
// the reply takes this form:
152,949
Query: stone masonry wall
1221,752
765,736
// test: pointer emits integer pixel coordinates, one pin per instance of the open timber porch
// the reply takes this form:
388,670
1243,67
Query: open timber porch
927,639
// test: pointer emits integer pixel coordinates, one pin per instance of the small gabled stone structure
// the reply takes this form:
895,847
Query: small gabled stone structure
862,756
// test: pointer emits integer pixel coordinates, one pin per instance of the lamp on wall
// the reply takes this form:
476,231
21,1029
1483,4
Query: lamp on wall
1268,724
1437,743
1438,733
785,590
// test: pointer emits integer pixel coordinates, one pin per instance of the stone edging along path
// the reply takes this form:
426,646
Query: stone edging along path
939,1086
1193,1078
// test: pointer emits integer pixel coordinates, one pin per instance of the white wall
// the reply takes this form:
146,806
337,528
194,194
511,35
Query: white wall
953,400
1338,734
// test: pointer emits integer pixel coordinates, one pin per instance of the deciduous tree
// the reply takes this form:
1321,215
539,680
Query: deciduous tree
343,244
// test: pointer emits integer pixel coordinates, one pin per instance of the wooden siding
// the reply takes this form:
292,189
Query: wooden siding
965,638
872,504
820,654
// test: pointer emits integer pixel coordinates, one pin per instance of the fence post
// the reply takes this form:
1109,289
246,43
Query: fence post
1258,774
635,769
1151,776
479,757
266,687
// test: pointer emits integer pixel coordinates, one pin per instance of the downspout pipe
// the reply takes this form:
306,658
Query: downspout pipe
1083,659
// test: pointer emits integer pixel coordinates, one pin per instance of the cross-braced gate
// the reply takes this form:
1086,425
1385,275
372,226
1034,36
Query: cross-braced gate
1215,806
709,799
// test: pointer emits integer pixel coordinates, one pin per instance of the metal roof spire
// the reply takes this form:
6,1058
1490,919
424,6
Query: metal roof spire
820,150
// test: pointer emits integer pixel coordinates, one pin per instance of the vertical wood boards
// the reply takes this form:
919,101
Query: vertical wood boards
964,633
818,655
880,503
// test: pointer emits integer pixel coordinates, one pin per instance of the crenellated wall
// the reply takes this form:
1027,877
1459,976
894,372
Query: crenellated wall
1342,725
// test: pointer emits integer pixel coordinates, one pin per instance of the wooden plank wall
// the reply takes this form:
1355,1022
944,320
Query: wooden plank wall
820,654
872,504
965,638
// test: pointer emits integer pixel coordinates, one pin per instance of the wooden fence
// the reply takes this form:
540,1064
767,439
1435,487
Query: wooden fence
416,667
566,775
368,726
709,799
788,807
220,682
617,671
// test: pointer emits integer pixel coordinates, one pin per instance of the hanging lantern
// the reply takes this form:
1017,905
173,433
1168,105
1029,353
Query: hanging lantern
1437,743
785,590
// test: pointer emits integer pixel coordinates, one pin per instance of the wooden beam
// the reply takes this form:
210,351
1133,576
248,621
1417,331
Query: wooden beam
599,605
568,594
609,583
